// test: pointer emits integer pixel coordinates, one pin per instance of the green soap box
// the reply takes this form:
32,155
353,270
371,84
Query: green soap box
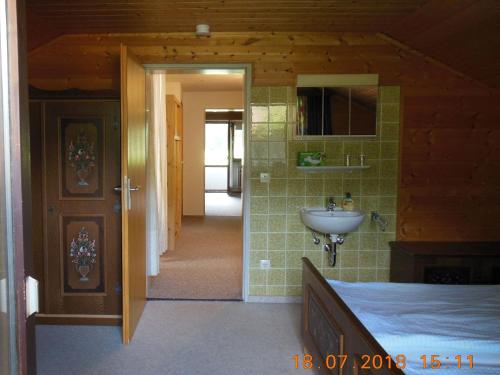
311,159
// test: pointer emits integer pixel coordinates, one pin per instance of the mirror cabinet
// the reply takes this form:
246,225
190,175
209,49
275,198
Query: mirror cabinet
343,110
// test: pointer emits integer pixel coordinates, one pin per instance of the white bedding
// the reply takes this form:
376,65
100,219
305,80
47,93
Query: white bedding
417,319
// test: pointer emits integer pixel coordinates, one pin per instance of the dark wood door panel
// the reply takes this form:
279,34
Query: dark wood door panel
82,216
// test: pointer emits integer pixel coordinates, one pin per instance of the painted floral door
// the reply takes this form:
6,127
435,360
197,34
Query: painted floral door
82,213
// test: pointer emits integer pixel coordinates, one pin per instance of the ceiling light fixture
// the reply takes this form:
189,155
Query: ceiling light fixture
202,30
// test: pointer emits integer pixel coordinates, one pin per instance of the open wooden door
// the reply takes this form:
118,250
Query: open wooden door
133,111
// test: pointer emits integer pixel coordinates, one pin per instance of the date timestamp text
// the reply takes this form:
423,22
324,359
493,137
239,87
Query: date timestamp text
377,361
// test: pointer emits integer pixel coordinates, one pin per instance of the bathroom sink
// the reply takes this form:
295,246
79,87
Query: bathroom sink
337,221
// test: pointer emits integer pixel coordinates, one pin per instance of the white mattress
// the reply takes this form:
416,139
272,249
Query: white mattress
417,319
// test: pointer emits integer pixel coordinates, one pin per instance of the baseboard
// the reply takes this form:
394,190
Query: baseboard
274,299
79,319
194,299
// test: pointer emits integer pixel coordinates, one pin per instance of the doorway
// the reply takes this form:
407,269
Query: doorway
223,162
205,261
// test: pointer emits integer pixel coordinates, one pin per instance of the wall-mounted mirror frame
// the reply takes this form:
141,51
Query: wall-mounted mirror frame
354,97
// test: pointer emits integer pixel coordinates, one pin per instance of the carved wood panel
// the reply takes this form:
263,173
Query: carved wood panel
326,334
447,275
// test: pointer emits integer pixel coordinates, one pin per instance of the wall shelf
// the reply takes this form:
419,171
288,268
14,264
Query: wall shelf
333,168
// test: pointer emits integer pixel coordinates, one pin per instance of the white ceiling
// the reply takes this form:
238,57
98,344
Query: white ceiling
207,82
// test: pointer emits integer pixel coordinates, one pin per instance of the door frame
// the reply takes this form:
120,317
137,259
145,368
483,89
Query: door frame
230,138
247,68
17,192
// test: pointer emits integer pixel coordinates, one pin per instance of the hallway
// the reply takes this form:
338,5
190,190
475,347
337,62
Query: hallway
180,338
206,264
222,204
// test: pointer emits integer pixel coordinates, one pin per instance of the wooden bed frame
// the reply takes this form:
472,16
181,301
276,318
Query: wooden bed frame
330,329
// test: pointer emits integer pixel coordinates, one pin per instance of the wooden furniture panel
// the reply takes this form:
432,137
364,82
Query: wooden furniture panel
81,212
175,168
445,262
329,327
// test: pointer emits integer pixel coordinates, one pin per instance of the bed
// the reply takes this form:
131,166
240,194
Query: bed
388,328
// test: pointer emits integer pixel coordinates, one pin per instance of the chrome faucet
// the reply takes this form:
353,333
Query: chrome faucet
331,204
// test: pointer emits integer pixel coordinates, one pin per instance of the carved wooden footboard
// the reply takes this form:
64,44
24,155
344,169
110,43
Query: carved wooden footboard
335,341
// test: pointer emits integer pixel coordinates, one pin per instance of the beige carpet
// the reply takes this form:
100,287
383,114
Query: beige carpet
206,264
182,338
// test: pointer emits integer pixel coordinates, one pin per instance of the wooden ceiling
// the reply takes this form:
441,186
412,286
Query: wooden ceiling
84,16
463,34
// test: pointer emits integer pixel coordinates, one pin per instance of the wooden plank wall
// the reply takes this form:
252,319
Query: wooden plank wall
450,166
450,183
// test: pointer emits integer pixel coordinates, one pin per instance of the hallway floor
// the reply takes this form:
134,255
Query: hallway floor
207,261
179,338
222,204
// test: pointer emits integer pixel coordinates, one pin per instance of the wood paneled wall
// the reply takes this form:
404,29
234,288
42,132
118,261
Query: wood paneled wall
450,165
464,34
450,182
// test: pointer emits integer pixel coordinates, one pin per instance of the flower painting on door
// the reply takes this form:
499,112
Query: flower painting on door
81,156
83,254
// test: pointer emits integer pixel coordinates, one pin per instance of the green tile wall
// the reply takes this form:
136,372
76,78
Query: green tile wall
277,232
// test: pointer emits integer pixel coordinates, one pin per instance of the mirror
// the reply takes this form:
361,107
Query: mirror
337,111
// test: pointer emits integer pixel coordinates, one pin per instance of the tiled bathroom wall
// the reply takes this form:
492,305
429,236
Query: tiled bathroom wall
277,232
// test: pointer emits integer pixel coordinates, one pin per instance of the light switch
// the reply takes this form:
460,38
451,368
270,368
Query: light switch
265,264
31,296
3,296
265,178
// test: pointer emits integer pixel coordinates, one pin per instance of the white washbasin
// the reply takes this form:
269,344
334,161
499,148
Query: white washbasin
332,222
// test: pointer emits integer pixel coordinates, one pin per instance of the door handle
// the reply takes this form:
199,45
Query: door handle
128,189
118,189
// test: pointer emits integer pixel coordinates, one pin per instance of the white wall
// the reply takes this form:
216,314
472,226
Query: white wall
194,105
175,89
